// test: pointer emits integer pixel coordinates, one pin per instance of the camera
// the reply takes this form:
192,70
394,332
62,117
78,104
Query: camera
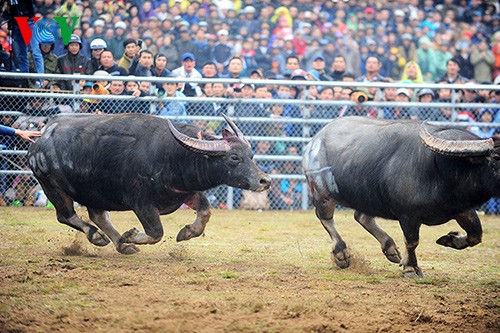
139,42
359,96
160,92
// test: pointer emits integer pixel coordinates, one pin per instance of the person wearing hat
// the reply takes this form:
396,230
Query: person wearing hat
187,70
46,46
96,47
403,95
222,51
131,49
184,43
319,65
115,44
72,62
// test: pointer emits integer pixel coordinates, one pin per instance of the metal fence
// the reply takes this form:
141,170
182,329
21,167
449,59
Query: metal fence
277,127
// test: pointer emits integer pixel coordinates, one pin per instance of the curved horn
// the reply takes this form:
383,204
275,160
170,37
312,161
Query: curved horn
236,130
455,147
206,147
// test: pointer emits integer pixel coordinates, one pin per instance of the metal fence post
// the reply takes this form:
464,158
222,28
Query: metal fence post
230,198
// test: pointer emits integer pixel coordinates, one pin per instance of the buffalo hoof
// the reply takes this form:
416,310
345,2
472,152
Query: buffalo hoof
128,249
413,272
393,255
342,259
98,238
129,236
186,233
454,240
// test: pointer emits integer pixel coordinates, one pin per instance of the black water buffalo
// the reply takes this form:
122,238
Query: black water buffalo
140,163
401,170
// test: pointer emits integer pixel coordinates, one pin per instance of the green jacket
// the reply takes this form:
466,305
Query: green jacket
49,64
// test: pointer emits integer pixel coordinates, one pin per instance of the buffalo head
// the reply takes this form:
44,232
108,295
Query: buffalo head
231,157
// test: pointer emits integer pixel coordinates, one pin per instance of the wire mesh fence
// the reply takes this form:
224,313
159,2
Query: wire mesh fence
278,125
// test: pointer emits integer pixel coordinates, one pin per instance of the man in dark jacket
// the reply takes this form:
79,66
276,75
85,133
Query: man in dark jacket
108,64
72,62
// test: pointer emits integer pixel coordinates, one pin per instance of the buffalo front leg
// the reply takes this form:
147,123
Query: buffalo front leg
153,230
389,247
411,230
103,221
470,222
198,202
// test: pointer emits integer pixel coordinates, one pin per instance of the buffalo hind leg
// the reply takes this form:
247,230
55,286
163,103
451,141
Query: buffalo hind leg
411,231
389,247
102,220
324,212
66,214
198,202
470,222
151,222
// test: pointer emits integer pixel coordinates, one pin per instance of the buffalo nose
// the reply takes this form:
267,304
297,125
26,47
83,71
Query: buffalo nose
265,182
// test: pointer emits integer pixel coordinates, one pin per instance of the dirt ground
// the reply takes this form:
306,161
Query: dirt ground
250,272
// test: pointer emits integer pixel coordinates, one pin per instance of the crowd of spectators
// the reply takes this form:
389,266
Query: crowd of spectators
408,41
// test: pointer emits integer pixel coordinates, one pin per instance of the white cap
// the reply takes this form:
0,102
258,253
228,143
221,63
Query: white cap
120,25
403,91
99,23
222,32
98,43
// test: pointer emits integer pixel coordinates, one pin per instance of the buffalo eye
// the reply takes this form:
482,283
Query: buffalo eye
234,159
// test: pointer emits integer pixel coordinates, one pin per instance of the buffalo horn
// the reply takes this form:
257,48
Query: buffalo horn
455,147
236,130
205,147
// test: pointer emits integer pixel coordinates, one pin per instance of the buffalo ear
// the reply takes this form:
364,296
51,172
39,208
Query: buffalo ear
226,134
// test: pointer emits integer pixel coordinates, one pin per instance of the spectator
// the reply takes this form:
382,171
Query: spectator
319,65
187,70
263,54
97,46
452,73
463,58
160,67
185,44
399,112
442,55
222,51
292,63
116,88
46,46
412,72
170,51
209,70
483,60
69,8
116,42
72,62
109,65
131,50
372,68
142,65
338,68
172,108
204,48
426,59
